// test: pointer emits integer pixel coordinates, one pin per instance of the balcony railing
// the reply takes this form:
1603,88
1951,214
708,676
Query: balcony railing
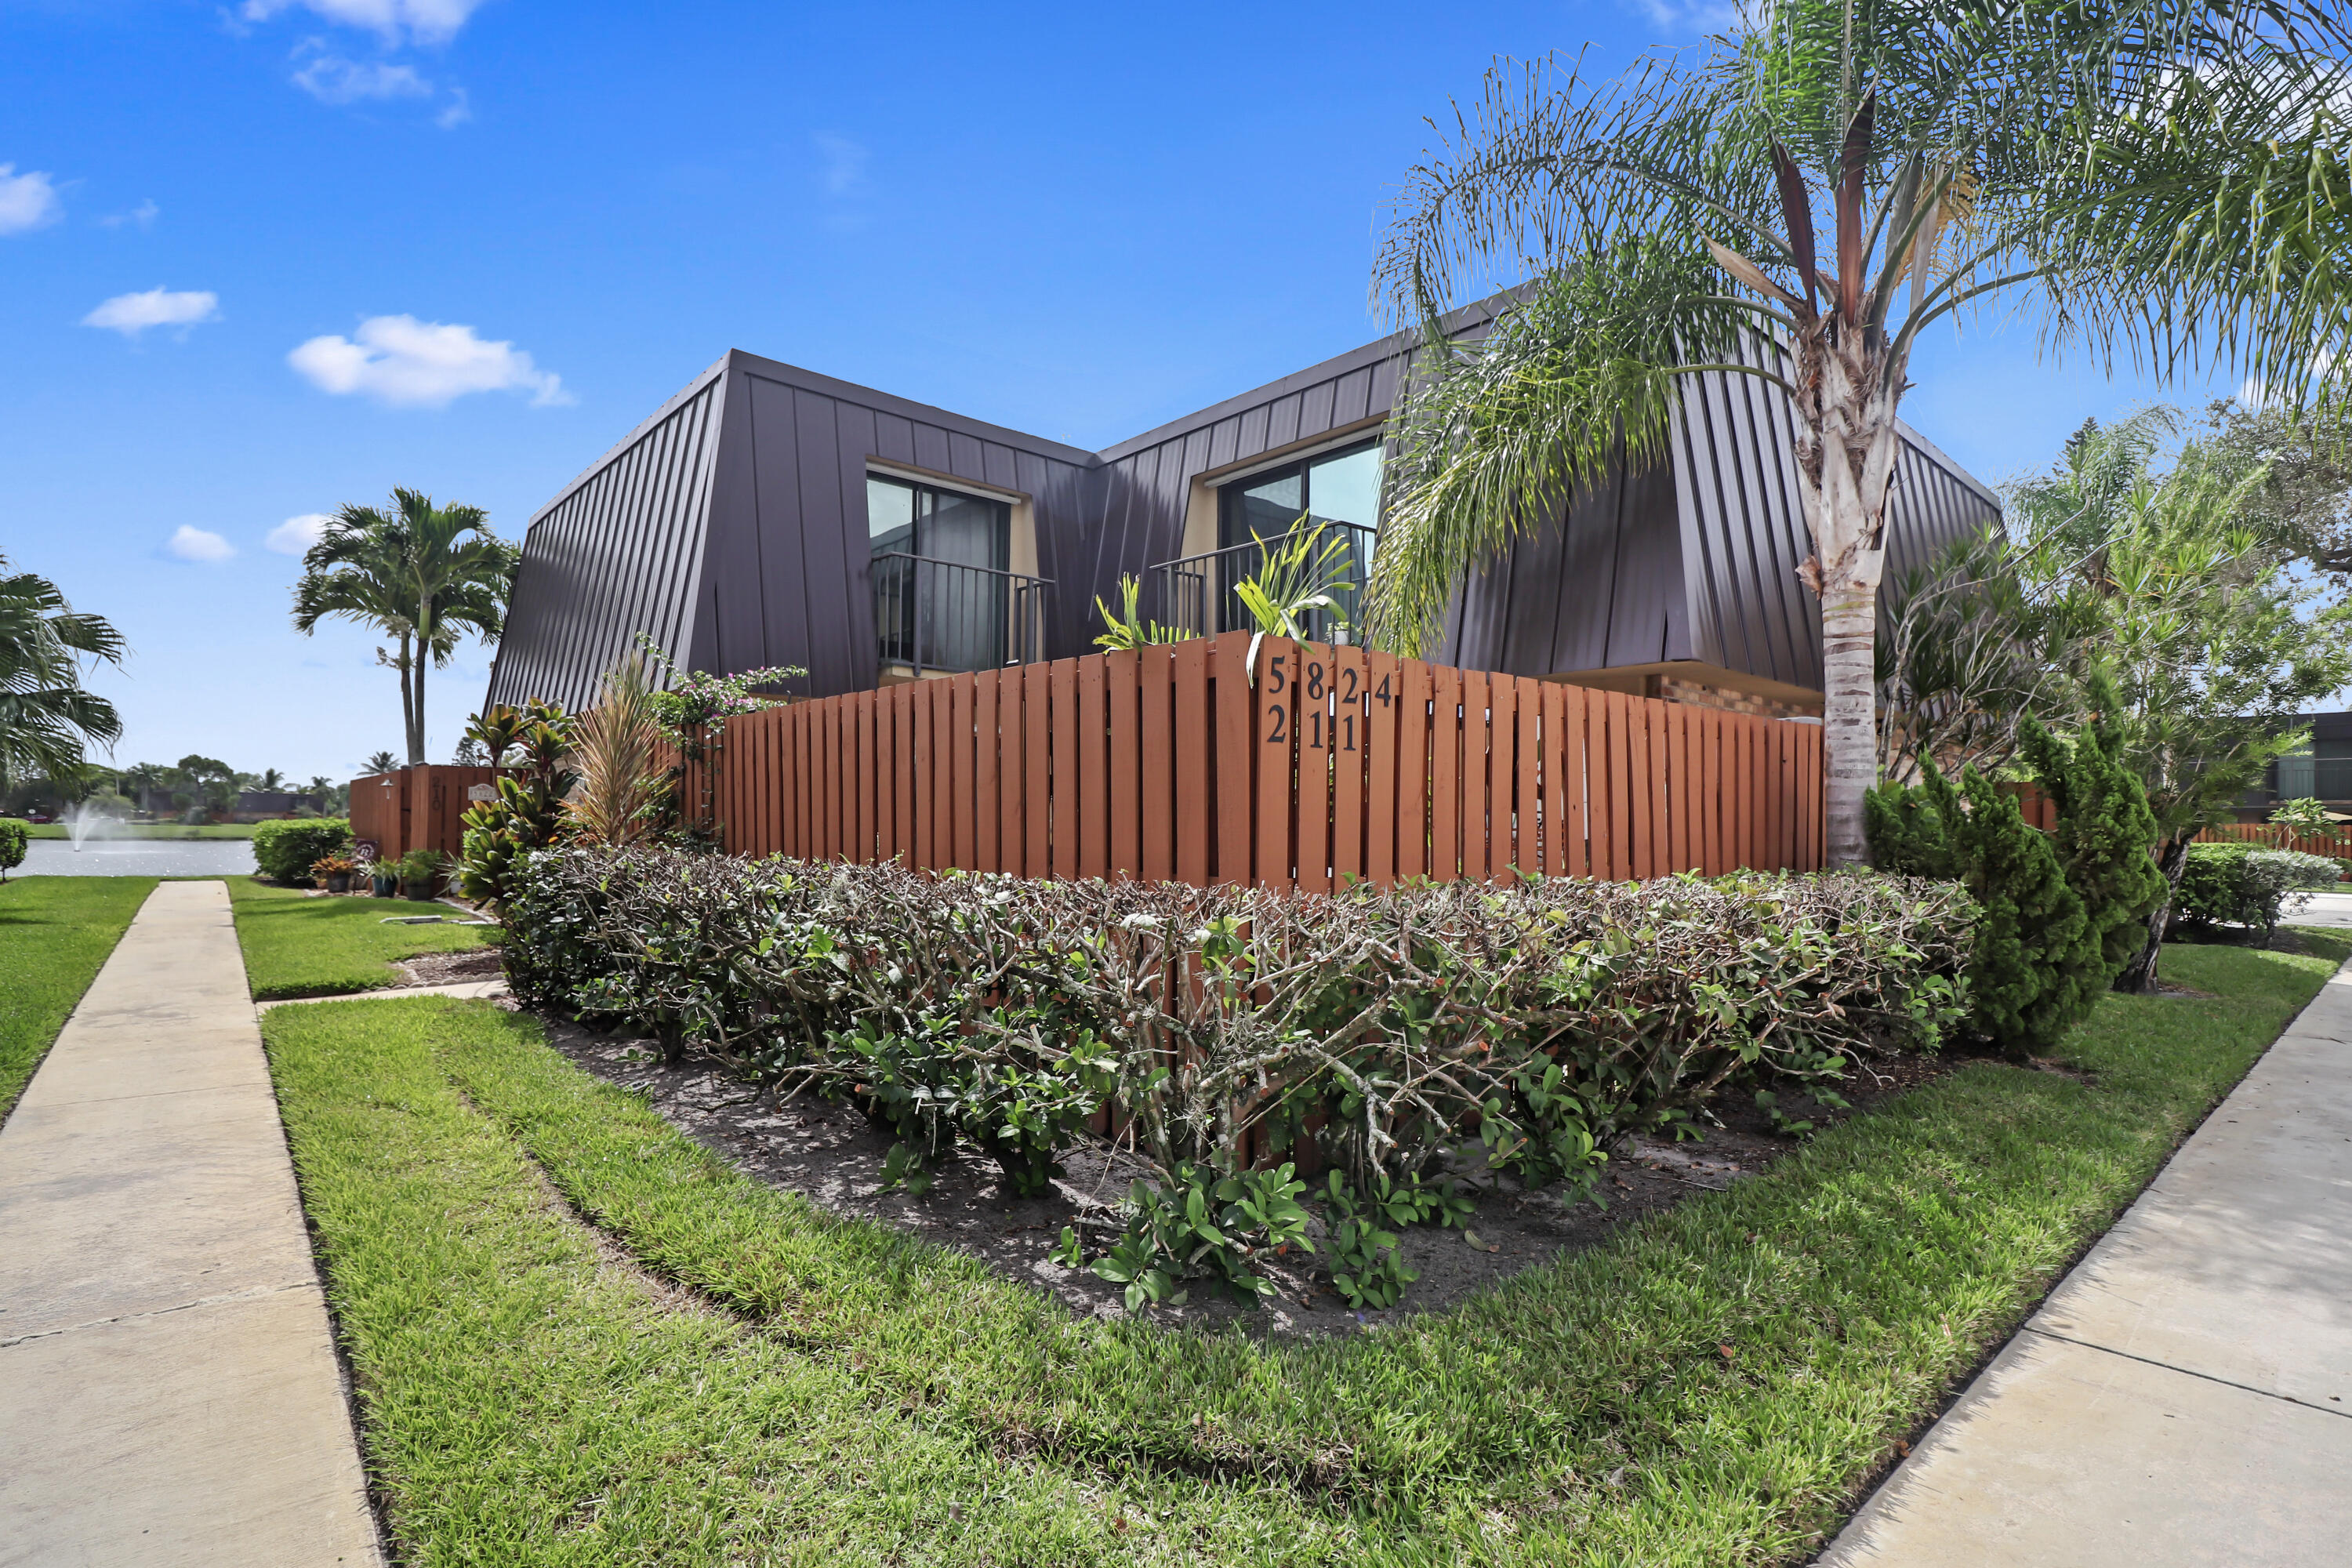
943,614
1196,594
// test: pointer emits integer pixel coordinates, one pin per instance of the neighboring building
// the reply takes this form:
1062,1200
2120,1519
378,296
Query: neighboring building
2320,771
252,804
770,515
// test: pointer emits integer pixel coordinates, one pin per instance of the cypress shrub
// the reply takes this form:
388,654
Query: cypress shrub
1907,834
2106,840
2035,954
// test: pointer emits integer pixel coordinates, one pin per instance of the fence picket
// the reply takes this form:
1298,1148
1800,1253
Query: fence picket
1335,763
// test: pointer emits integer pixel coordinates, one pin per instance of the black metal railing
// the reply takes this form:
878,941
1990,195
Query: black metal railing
1196,594
943,614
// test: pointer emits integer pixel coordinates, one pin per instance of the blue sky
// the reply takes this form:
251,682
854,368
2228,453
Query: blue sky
266,258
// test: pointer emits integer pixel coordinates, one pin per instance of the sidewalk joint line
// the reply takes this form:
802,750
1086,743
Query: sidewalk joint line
256,1293
2187,1371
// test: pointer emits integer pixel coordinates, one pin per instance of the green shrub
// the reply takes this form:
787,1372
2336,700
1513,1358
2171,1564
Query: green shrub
2036,965
527,812
1907,834
2243,884
2105,841
1528,1024
13,840
285,850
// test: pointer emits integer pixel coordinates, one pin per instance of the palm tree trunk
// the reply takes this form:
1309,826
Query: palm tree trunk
407,703
424,657
1849,716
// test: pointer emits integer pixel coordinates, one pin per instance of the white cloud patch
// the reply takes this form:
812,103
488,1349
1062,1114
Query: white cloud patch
410,363
143,217
131,314
455,113
27,201
196,544
2256,393
1684,18
424,21
297,535
843,169
330,78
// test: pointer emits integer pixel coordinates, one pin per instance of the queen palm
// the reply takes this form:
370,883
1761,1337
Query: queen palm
425,576
47,719
2163,178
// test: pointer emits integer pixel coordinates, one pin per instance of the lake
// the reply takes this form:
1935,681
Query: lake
138,858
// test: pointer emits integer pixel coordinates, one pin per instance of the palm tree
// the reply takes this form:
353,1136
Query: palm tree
380,763
2164,178
426,575
47,719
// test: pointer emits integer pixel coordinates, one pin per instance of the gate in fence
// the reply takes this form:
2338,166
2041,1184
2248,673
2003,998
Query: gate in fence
1234,759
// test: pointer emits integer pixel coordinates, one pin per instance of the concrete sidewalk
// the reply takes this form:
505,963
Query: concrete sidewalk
2184,1395
169,1392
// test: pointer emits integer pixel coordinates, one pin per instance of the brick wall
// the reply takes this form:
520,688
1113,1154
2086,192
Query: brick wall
1674,688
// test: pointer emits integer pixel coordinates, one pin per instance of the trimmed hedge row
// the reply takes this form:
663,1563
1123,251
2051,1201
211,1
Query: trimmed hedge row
1530,1023
284,849
2243,884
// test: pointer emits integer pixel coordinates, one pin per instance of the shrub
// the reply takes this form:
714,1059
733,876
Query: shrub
2035,953
285,850
1382,1030
527,812
2240,884
2105,841
12,841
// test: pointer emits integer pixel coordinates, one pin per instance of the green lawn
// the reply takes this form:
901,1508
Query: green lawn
149,830
296,945
55,934
1713,1387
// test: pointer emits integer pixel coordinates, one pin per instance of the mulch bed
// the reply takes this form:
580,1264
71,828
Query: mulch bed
833,1156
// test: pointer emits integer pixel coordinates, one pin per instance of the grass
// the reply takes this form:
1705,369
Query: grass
296,945
55,934
1712,1387
148,830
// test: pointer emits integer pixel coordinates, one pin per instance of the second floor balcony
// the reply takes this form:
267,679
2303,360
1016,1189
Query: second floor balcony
933,616
1199,593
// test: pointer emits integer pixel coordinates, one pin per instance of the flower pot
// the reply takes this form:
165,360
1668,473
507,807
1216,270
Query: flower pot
386,885
422,893
339,882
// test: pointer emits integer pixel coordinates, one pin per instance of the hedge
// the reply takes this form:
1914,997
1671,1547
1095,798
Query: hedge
284,850
1530,1023
2242,884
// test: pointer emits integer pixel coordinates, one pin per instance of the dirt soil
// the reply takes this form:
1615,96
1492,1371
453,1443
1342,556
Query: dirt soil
451,968
833,1156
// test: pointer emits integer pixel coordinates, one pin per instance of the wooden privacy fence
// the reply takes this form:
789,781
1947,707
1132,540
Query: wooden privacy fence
414,808
2336,846
1332,763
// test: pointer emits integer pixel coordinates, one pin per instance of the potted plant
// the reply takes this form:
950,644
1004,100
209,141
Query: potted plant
385,879
334,872
420,874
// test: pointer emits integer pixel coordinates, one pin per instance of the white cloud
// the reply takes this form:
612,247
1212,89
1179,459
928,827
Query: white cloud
131,314
144,216
406,363
297,535
195,545
26,201
425,21
845,164
457,111
1708,18
330,78
2256,393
